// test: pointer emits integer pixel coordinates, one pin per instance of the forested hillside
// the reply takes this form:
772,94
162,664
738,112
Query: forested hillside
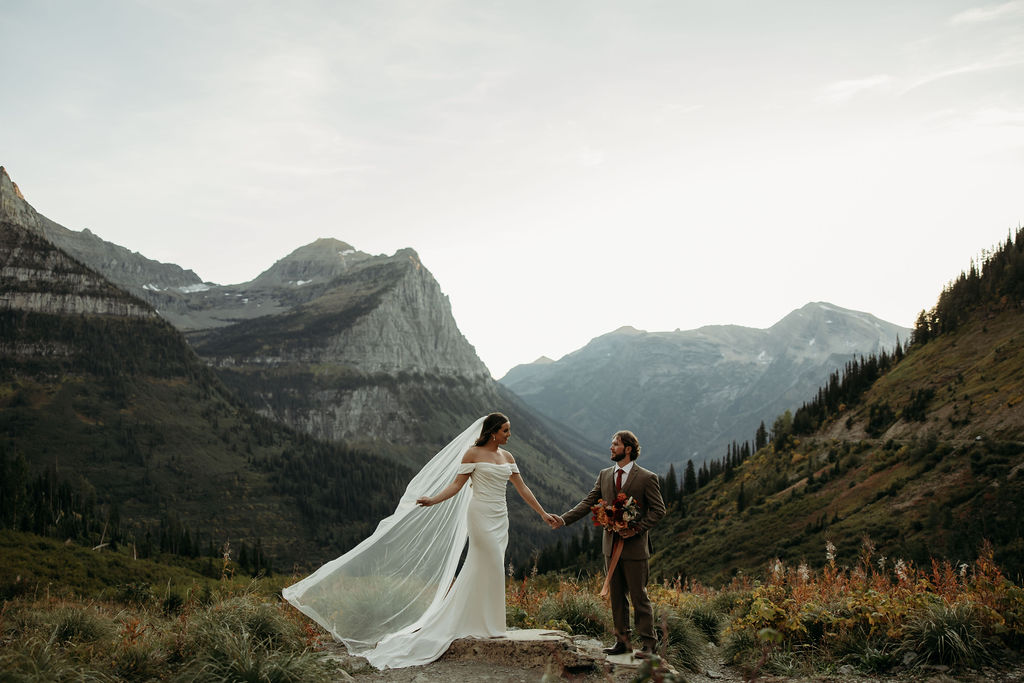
113,431
920,450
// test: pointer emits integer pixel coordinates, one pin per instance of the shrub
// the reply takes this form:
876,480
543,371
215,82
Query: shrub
583,612
742,648
172,604
135,593
874,659
517,617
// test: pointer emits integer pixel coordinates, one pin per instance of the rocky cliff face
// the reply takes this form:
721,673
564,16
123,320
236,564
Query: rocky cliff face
360,360
35,278
380,315
688,394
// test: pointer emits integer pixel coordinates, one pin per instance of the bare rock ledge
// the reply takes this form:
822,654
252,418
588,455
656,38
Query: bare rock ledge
503,659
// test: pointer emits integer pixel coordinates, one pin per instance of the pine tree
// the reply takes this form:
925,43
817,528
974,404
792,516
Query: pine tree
671,485
689,479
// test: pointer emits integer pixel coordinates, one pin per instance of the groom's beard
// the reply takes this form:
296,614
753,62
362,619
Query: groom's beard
620,456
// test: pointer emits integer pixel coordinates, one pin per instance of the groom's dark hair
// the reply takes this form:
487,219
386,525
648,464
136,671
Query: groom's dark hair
628,438
492,423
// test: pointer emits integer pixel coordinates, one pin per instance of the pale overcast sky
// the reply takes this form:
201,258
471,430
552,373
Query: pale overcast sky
563,168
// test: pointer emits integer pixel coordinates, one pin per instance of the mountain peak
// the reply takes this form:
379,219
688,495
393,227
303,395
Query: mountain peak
5,180
319,261
325,244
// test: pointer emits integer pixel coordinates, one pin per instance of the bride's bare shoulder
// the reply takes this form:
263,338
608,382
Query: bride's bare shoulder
472,455
507,456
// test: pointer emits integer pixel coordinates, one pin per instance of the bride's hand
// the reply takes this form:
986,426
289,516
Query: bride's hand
424,501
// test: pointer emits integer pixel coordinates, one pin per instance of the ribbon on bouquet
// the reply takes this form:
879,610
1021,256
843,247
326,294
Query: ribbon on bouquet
616,552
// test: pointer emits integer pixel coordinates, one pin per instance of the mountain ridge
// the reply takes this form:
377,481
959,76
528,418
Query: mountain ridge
715,383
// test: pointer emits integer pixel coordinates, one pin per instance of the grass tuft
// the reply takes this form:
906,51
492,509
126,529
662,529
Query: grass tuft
952,635
239,656
44,661
80,625
584,613
682,641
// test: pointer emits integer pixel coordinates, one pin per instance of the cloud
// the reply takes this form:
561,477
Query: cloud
843,91
979,15
999,62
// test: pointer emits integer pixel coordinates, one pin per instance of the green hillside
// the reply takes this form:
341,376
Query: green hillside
921,452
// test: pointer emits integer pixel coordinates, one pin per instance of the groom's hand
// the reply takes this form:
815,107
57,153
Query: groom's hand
556,522
627,532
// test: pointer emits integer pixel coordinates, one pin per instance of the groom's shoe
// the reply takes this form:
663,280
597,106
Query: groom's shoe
646,652
619,648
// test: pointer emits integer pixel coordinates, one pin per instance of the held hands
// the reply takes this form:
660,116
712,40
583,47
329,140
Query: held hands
554,521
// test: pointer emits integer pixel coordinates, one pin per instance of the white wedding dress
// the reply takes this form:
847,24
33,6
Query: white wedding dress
475,605
395,598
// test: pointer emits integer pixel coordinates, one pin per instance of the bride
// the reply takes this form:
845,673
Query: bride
395,598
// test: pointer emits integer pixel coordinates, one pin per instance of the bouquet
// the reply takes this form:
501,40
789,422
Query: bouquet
614,517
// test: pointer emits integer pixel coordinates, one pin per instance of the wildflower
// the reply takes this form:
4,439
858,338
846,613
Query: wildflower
830,552
511,569
963,570
775,567
803,572
881,563
901,570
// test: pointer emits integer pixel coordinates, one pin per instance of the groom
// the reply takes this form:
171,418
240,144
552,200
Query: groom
630,575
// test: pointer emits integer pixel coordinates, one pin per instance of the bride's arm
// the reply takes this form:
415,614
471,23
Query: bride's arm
527,495
446,493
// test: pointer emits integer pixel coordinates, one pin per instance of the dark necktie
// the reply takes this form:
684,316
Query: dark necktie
618,479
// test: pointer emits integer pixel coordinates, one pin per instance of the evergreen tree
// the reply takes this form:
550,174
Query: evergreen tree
689,479
703,476
671,488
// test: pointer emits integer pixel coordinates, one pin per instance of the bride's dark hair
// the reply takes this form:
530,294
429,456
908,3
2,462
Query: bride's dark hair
492,423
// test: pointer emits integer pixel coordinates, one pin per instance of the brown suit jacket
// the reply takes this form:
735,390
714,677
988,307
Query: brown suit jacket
645,488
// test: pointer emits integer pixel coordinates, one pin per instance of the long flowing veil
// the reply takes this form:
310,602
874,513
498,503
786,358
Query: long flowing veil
387,582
